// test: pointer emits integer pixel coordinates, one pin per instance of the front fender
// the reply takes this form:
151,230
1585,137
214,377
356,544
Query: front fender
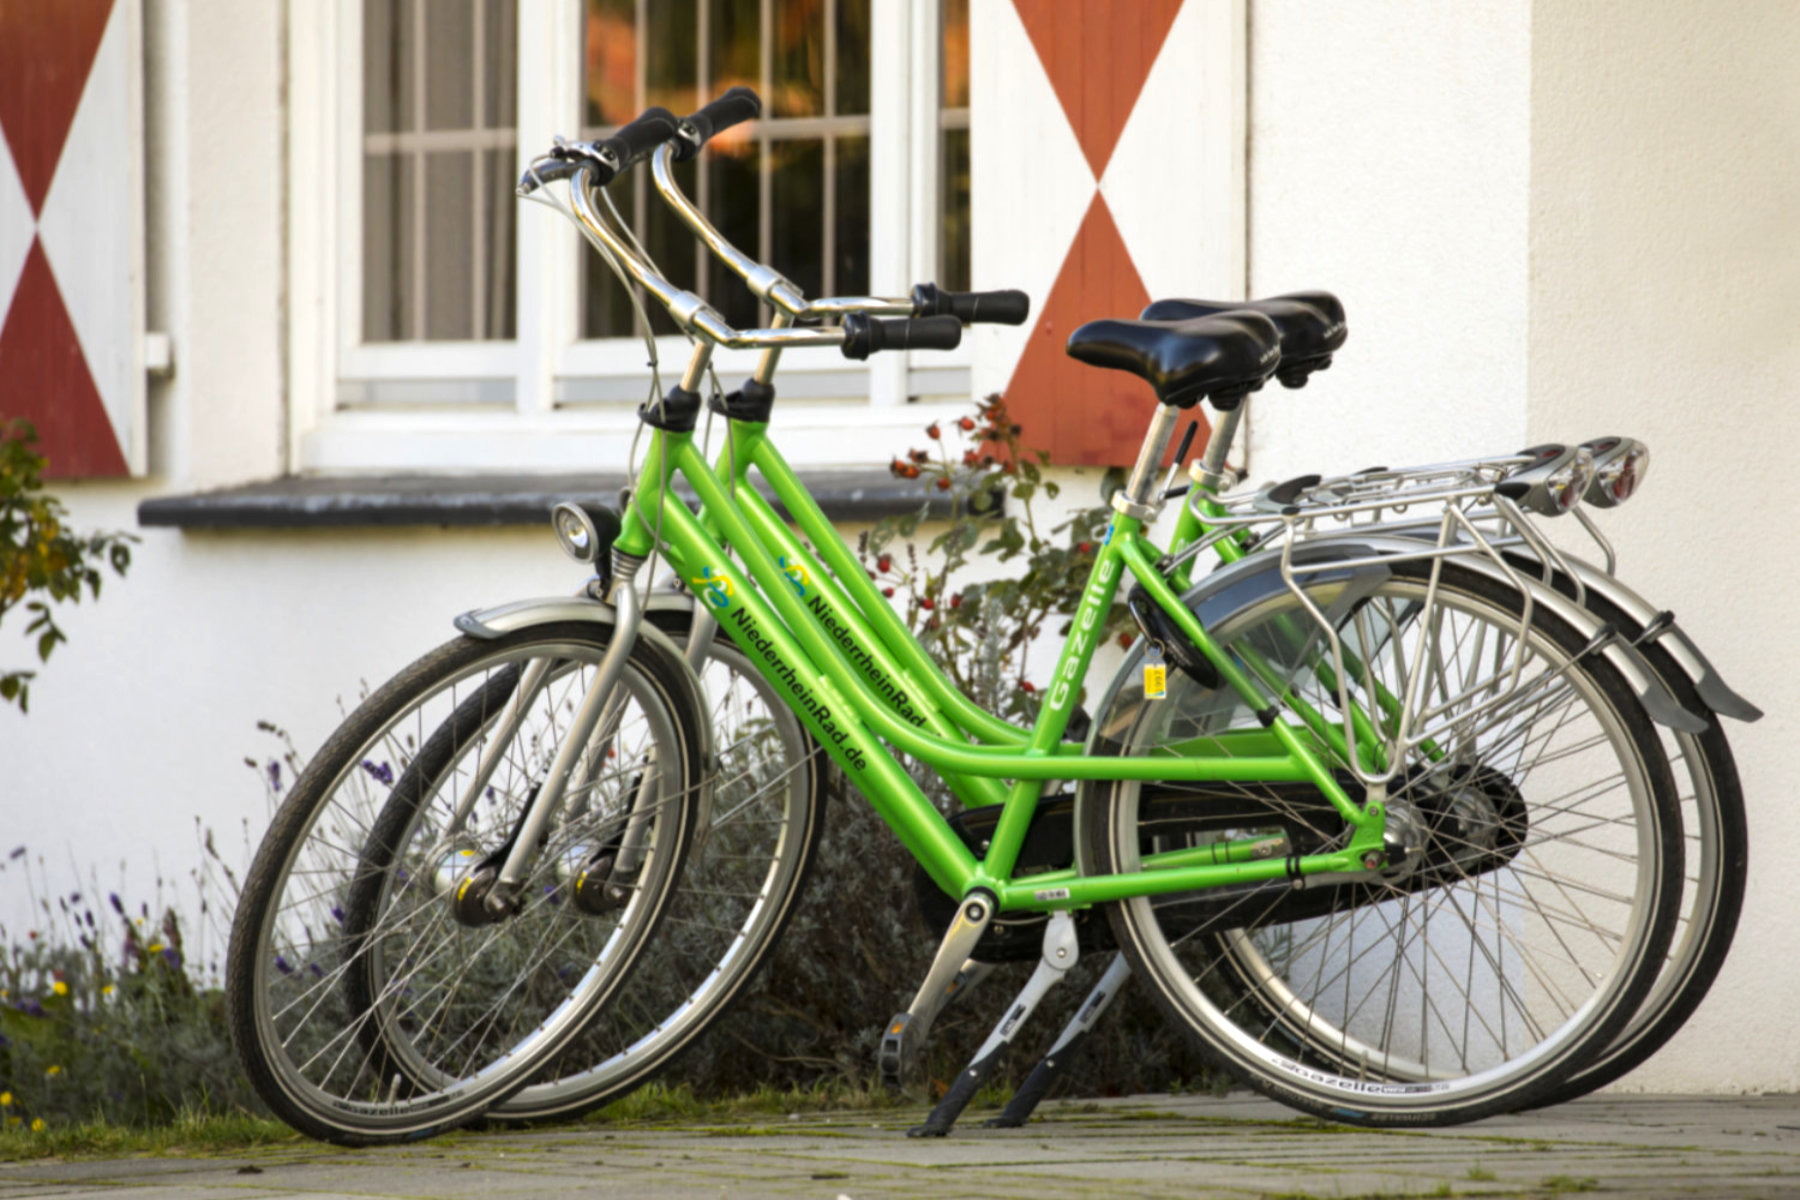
490,623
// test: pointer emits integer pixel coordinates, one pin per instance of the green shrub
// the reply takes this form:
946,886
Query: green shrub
112,1012
39,555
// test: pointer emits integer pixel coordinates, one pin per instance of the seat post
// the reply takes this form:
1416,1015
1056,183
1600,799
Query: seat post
1218,448
1138,498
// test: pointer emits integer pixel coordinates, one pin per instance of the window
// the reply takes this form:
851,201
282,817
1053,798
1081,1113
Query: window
440,133
438,323
792,190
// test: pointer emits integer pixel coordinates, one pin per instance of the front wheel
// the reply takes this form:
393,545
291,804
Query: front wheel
738,887
1533,917
372,996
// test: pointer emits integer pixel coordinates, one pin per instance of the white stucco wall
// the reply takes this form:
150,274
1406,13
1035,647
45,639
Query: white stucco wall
1389,165
1665,279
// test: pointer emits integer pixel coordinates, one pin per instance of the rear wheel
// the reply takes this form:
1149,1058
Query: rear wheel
1523,934
1716,862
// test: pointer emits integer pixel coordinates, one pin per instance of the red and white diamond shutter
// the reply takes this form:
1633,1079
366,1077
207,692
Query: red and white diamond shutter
1108,155
72,231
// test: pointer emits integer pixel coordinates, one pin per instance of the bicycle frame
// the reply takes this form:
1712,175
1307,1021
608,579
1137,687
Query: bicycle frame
764,612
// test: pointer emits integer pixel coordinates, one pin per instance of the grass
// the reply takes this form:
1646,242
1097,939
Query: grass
658,1103
194,1133
189,1134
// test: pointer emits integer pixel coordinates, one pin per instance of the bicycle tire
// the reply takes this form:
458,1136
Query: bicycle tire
1258,1025
296,1012
1717,853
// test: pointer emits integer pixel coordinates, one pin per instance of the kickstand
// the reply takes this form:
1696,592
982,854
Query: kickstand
1060,951
1052,1065
952,973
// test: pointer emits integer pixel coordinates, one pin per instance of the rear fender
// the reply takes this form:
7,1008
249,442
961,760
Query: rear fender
1236,587
1714,692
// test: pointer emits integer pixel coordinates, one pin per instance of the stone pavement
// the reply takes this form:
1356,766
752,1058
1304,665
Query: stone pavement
1144,1146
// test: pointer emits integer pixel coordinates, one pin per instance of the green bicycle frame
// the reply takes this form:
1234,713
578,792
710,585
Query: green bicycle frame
848,703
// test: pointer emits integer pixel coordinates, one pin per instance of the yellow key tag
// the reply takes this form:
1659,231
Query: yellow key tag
1156,676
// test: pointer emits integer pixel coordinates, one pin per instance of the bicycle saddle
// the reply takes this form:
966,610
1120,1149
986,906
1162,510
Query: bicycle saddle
1311,325
1221,358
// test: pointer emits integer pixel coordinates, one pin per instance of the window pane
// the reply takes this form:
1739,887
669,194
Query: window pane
732,171
449,257
387,255
798,75
955,65
502,211
851,254
606,309
450,66
734,45
500,49
672,54
853,56
796,242
439,103
388,79
610,54
671,243
953,236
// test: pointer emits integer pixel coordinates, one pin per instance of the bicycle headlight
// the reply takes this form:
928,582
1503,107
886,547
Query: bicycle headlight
576,531
1619,467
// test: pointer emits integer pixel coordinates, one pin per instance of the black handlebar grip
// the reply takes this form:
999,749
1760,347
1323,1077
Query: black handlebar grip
737,105
637,141
865,335
1009,306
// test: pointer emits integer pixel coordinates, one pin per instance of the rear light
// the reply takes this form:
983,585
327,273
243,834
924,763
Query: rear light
1620,464
1552,481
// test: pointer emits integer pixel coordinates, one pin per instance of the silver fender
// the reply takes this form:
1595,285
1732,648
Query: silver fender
1251,580
490,623
1714,691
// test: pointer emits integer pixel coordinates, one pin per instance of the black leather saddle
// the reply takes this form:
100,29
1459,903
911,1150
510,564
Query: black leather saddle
1311,325
1221,358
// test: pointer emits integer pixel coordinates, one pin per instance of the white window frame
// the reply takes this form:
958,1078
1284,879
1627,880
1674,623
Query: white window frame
438,406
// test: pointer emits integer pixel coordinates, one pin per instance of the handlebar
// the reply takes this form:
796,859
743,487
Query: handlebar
736,106
609,157
932,319
1008,306
864,335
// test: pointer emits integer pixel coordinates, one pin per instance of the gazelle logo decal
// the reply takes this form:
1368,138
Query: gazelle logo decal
713,586
796,574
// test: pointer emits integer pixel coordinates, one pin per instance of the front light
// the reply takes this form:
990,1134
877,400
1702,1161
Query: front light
1620,464
575,530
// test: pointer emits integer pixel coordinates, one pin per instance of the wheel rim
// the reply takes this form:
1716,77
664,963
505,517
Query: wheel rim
1301,1003
432,1048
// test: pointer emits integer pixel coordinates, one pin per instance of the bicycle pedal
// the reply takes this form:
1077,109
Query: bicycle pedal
894,1058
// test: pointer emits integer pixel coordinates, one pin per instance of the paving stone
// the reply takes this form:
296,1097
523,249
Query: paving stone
1638,1146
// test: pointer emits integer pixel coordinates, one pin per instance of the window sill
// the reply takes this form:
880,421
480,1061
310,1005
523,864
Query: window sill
857,494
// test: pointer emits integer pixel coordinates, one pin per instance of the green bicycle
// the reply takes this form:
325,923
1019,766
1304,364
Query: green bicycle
1360,754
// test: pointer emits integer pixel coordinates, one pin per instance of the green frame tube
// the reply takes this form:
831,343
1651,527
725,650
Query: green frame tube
765,614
